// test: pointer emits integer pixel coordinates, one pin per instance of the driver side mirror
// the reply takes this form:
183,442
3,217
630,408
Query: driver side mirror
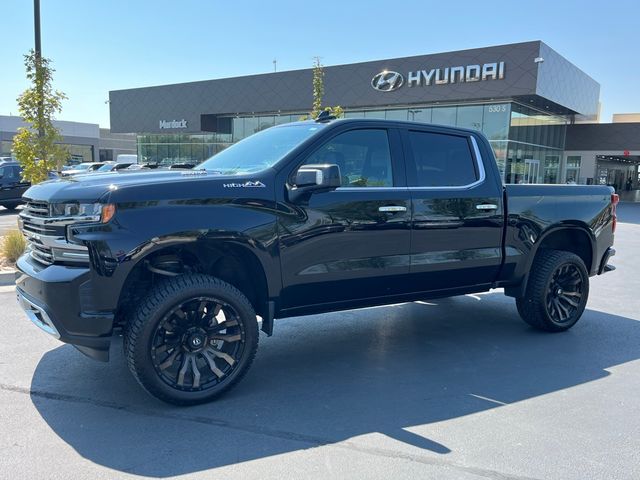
311,178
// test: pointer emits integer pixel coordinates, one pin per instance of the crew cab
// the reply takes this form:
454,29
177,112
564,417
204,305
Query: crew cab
302,218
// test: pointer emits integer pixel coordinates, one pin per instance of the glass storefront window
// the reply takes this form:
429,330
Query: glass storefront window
251,126
422,115
444,116
265,122
573,169
238,129
470,117
495,121
80,153
185,153
531,126
551,168
500,152
374,114
397,114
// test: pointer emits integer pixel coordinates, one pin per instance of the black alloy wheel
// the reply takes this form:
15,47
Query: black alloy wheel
197,344
564,293
191,339
557,291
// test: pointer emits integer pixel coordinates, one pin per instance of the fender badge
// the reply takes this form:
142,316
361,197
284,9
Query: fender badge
247,184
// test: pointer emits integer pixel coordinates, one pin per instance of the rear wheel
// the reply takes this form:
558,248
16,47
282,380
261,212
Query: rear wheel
557,291
192,339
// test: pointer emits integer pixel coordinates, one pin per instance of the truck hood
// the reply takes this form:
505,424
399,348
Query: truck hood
92,187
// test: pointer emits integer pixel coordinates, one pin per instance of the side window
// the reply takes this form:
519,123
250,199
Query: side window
363,156
442,160
16,173
5,173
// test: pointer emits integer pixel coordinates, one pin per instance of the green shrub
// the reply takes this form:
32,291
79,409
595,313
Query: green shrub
13,245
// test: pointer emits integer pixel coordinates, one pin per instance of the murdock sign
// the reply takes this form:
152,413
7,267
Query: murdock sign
388,81
173,124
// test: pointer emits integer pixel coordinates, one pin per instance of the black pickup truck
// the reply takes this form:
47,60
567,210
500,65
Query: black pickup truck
299,219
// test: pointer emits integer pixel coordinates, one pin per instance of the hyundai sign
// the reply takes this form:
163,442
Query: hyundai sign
388,81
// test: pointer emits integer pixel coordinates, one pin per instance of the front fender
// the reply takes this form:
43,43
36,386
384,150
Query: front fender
116,248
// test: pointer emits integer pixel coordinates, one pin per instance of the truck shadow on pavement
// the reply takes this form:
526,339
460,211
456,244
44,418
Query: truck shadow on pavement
326,379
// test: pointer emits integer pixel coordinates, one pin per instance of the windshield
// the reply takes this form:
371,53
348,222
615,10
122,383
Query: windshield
105,168
82,166
259,151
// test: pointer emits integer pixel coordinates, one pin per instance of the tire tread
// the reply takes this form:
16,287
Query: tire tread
174,287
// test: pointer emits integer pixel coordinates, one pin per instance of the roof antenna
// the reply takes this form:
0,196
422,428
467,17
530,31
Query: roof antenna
324,116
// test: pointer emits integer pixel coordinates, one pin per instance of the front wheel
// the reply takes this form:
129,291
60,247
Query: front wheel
557,291
192,339
10,205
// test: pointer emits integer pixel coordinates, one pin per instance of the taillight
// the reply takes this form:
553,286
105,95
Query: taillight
614,201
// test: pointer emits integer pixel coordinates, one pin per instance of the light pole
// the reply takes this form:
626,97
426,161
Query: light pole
36,23
38,51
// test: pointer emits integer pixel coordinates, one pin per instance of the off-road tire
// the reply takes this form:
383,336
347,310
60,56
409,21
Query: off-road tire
536,307
152,314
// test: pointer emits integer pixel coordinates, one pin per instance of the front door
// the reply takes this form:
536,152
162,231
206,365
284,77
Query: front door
351,243
457,225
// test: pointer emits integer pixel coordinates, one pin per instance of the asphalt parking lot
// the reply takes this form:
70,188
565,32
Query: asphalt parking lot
458,388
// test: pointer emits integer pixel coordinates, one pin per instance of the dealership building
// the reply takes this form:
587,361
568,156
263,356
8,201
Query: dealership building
84,142
528,100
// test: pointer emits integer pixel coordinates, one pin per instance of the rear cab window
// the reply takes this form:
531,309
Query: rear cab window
440,160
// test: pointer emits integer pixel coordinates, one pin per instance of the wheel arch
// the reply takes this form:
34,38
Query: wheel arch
230,261
576,238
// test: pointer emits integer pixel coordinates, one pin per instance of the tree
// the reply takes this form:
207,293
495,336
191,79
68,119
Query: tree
318,93
36,146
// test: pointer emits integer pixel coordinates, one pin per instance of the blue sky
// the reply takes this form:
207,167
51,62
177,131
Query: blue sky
97,46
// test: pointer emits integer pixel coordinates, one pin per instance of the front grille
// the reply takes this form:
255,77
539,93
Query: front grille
32,212
41,229
33,227
46,236
37,209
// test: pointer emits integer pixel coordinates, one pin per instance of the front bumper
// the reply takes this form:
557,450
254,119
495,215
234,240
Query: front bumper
55,299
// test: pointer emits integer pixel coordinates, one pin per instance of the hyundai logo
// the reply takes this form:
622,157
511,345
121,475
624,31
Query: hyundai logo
387,81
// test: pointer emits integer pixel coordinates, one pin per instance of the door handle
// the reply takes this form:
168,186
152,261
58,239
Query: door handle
392,209
486,206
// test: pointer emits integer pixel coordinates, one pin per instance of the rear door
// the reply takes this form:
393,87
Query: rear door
352,242
456,230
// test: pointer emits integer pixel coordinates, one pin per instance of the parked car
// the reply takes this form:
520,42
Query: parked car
143,166
182,166
127,158
113,167
12,186
298,219
82,168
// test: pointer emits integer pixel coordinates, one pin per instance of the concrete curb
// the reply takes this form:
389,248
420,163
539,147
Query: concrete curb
7,277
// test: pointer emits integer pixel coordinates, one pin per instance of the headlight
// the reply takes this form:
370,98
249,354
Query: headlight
87,212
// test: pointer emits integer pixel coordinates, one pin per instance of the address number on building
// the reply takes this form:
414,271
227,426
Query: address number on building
497,108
